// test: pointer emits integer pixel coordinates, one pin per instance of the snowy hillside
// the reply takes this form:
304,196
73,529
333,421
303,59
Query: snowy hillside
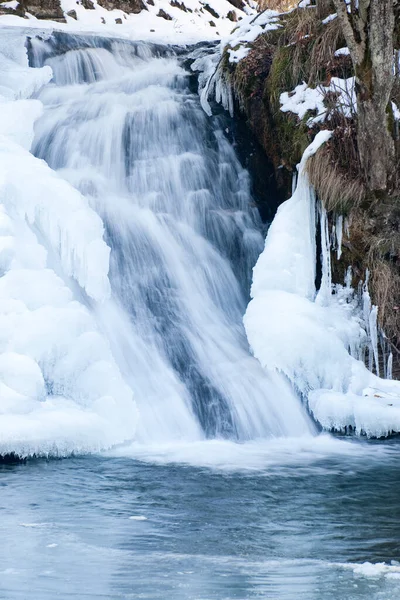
170,21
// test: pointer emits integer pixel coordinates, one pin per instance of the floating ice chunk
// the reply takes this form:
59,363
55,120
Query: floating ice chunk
376,570
138,518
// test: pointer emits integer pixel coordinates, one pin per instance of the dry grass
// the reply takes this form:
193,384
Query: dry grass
385,285
282,5
338,190
323,60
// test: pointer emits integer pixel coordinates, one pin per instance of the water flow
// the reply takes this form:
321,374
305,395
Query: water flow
122,125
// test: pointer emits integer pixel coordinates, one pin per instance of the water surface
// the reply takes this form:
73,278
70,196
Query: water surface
292,520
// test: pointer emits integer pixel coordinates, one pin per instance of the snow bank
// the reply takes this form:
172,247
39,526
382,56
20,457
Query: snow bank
60,389
317,338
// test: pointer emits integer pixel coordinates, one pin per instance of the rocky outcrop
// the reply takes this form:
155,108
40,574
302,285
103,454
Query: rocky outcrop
41,9
303,50
127,6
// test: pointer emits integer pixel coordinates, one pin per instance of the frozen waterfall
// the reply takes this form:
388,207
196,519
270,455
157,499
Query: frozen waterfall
123,129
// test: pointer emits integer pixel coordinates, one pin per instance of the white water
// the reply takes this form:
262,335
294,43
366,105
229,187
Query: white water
121,125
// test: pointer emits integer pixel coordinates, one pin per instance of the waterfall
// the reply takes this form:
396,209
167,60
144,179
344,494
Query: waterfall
122,125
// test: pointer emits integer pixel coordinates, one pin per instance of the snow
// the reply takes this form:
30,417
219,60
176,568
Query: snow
185,27
247,32
13,4
60,388
304,99
212,77
329,18
342,52
317,338
396,112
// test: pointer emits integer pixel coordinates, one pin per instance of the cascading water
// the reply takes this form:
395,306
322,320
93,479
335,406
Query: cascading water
121,124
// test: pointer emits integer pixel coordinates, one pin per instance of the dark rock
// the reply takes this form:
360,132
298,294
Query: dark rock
43,9
72,14
88,4
232,16
237,4
11,458
212,12
179,5
127,6
212,24
161,13
118,21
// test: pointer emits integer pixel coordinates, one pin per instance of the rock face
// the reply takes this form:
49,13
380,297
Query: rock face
128,6
41,9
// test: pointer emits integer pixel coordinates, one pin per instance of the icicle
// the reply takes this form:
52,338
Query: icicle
339,235
389,367
373,330
325,291
348,278
294,182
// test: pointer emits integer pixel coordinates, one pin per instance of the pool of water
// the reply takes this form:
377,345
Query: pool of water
309,519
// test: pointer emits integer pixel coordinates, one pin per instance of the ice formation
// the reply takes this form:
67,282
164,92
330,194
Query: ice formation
316,337
60,388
